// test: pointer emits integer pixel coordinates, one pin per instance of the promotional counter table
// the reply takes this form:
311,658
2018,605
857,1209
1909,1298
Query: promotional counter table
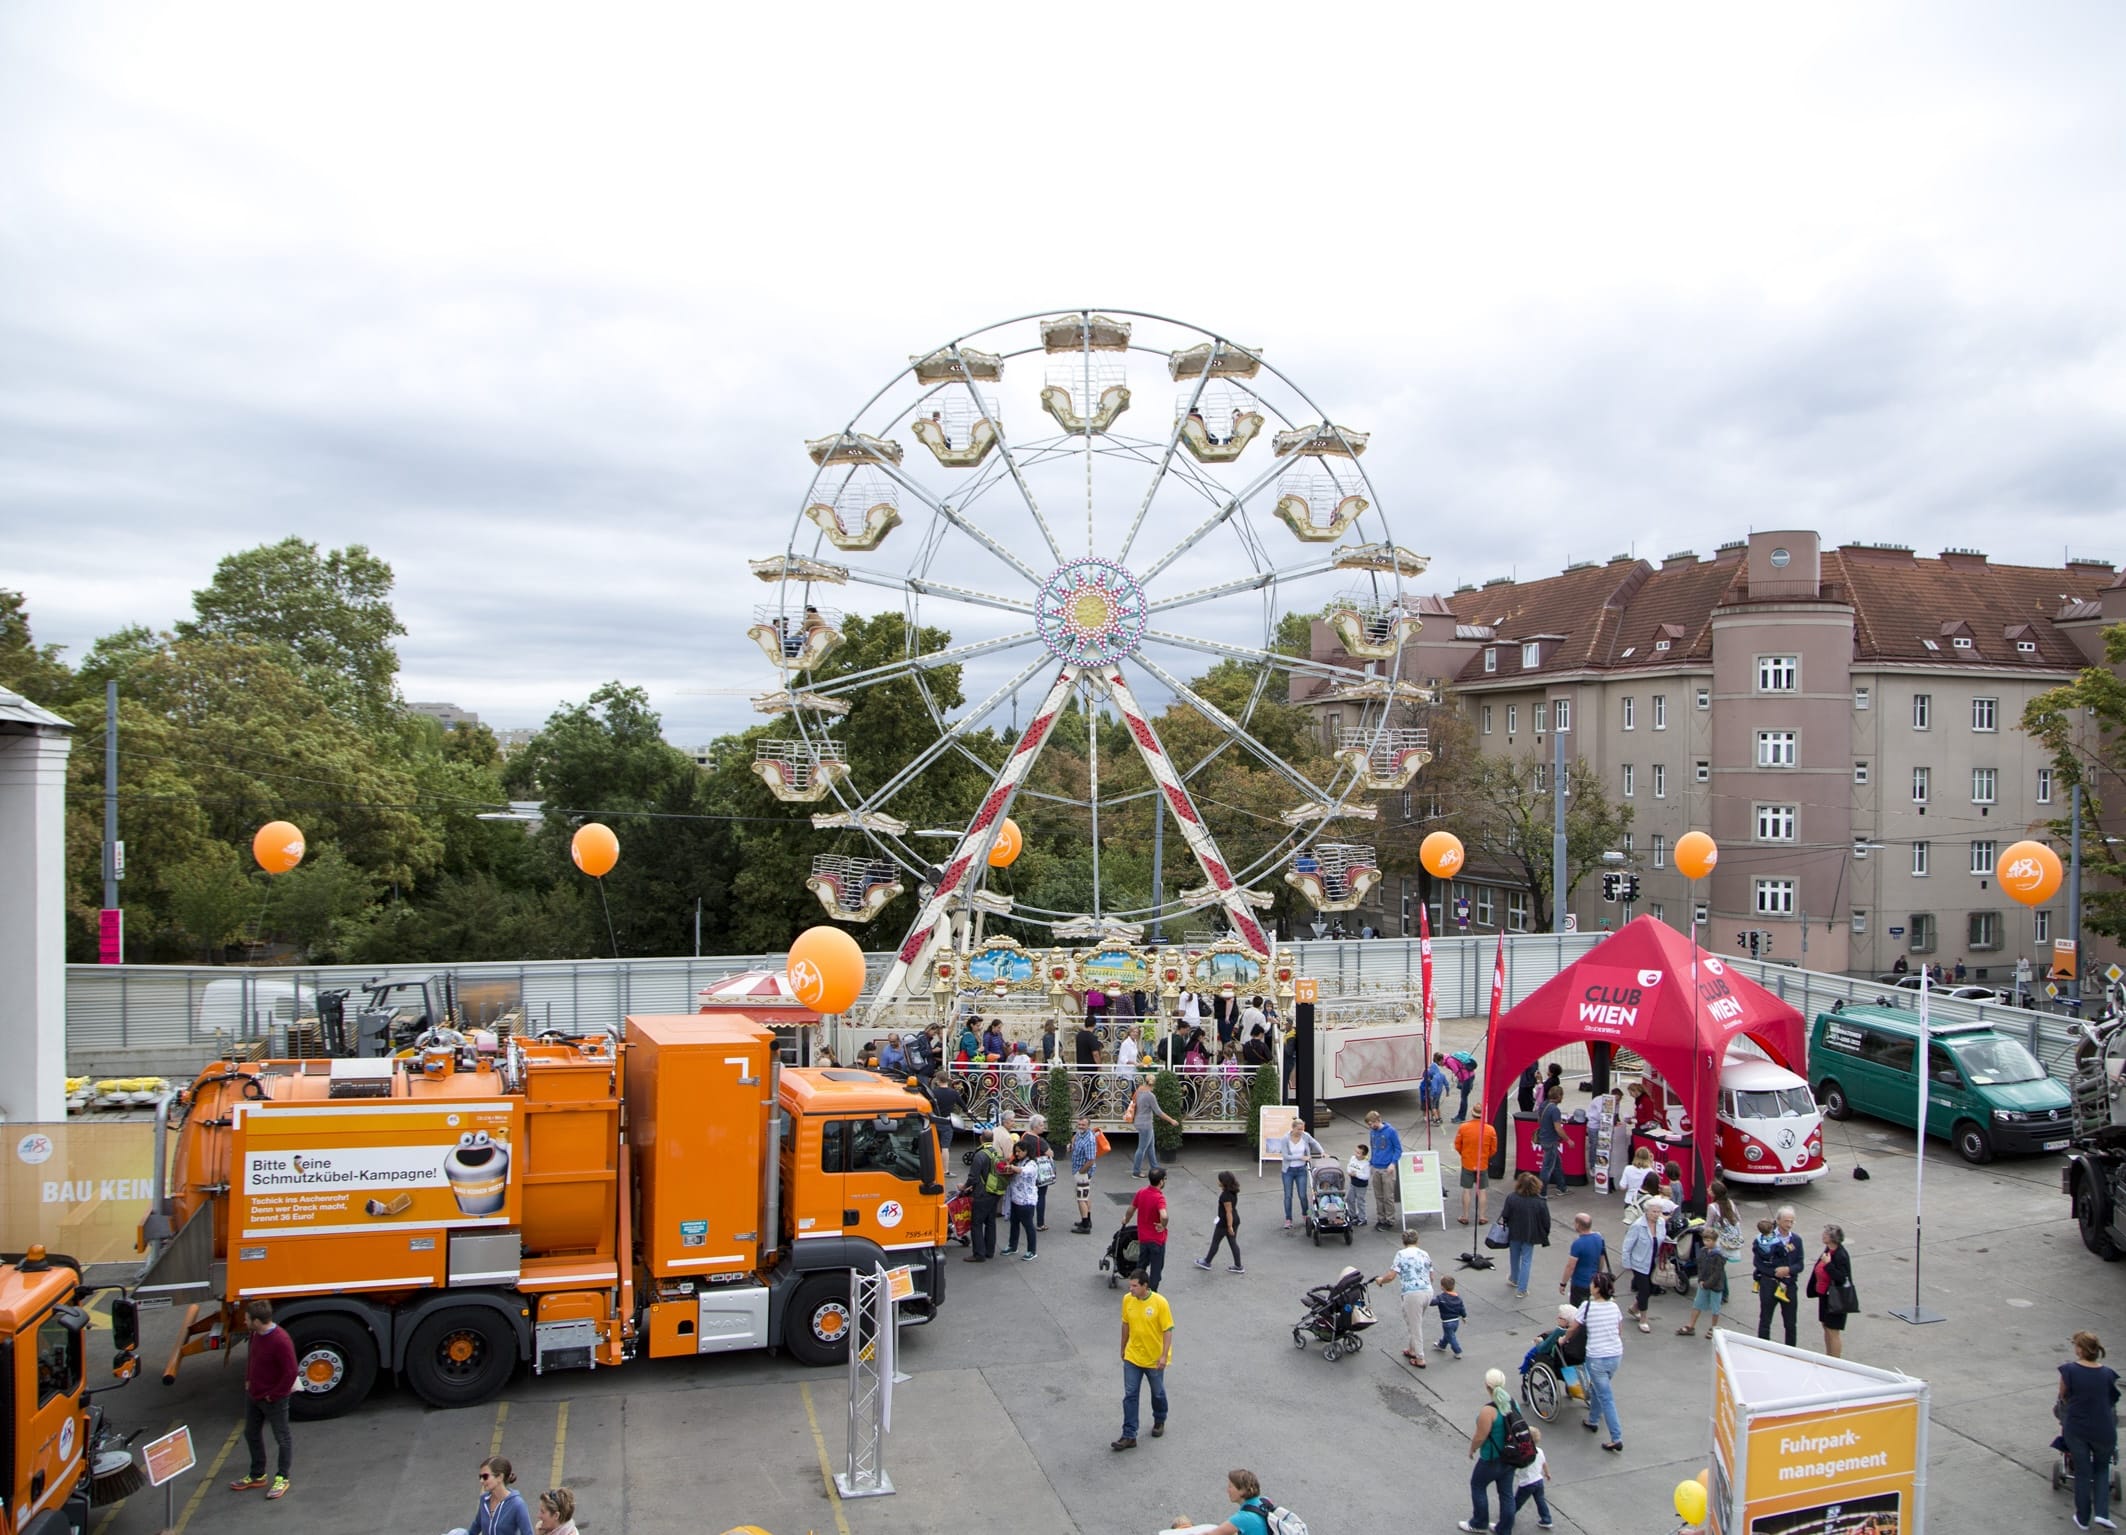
1666,1149
1526,1159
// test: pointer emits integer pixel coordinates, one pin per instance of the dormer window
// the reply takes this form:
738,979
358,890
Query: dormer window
1491,658
1962,642
1660,645
1531,656
2026,647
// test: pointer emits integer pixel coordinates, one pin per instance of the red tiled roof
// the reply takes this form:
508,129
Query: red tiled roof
1908,601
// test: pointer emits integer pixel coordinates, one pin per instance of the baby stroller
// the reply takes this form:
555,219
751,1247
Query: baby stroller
2063,1468
1327,1206
1550,1376
1123,1256
1336,1315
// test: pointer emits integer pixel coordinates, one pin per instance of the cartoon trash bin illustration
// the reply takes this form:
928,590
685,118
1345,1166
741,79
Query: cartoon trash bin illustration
478,1171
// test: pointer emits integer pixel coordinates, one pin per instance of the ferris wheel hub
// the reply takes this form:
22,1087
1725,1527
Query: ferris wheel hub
1090,612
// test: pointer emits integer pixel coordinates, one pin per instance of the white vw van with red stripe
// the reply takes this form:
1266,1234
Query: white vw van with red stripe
1770,1128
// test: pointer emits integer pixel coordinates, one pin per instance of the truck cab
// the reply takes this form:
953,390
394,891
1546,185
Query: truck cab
52,1450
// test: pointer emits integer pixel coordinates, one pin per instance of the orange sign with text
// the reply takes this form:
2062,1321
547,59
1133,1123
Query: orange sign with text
1306,989
1861,1456
169,1456
358,1167
76,1186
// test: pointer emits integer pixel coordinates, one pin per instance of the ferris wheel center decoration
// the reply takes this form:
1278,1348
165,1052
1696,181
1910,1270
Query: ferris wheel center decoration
1091,612
1065,546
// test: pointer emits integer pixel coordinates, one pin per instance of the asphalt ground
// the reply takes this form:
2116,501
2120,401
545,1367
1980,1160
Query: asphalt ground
1015,1392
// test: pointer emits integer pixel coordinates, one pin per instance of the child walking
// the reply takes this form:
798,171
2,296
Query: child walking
1356,1172
1226,1228
1529,1480
1452,1308
1712,1287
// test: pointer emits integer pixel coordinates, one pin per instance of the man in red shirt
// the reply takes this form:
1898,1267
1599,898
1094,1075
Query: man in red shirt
269,1381
1149,1207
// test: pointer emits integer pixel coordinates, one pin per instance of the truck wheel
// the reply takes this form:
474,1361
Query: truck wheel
2089,1215
461,1356
335,1365
1831,1098
1971,1141
819,1323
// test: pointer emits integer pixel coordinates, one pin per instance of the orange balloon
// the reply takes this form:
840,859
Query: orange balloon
2030,872
278,847
826,969
1005,850
595,849
1441,854
1696,853
1705,1477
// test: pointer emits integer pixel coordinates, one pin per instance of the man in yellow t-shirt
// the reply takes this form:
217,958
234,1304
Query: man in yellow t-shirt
1477,1143
1147,1345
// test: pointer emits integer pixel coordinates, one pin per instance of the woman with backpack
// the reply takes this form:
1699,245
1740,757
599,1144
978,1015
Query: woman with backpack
1501,1437
1255,1515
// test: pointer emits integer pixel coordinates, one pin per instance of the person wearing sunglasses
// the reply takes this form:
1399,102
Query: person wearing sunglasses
501,1509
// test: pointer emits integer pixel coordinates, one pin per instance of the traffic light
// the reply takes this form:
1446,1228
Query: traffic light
1610,884
1628,888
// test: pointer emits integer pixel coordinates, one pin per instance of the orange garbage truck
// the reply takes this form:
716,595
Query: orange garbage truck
452,1213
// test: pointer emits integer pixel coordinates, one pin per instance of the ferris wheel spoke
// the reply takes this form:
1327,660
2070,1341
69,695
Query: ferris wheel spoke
965,864
1201,844
1253,582
925,587
1173,441
948,739
1009,459
927,661
1231,505
1302,666
954,515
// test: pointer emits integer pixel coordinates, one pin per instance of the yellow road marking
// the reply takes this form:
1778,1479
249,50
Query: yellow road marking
553,1477
494,1445
826,1471
105,1522
199,1493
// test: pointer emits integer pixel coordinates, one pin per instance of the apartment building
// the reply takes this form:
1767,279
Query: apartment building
1843,722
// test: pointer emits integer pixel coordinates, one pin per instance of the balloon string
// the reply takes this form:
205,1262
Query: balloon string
609,933
258,923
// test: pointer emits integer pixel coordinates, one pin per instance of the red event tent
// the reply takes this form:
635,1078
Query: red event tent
1633,990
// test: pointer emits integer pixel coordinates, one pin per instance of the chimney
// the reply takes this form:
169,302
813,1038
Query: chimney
1788,564
1963,559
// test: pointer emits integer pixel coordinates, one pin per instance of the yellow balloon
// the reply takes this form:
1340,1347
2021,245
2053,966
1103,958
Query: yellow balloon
277,846
595,849
1441,854
2030,872
1005,850
1696,853
1690,1502
826,969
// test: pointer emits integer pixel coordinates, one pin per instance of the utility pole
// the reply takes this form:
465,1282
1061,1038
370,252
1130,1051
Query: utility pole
1557,831
2074,902
110,948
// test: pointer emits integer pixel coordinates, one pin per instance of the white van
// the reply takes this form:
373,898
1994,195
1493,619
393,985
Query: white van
252,1006
1771,1131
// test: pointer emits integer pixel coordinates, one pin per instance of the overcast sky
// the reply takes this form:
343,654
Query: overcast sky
540,304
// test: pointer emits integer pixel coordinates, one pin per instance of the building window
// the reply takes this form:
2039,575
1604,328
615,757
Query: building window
1983,783
1631,719
1985,714
2041,926
2044,786
1860,772
1660,912
1776,748
1776,823
1542,718
1961,642
1542,778
1985,930
1409,803
1860,921
1775,898
1531,656
1922,710
1660,711
1513,719
1861,849
1922,780
1564,708
1491,658
1627,844
1705,772
2026,647
1483,906
1778,674
1659,846
1860,698
1922,932
1517,911
1627,780
1705,698
1487,719
1983,856
1660,781
1919,860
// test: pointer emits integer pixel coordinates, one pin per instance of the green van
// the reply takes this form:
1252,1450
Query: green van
1988,1092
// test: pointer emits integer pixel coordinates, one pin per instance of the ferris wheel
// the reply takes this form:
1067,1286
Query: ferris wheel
1150,502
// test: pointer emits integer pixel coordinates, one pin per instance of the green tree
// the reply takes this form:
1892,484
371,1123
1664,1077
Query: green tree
210,901
35,671
2083,725
332,613
313,902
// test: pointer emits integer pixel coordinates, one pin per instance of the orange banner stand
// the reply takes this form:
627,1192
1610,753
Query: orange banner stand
80,1187
1796,1432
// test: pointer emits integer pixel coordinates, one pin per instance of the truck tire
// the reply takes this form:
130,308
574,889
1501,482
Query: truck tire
335,1365
461,1356
2089,1214
1972,1142
816,1329
1831,1098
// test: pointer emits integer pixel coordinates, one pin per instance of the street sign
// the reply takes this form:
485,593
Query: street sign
110,936
169,1456
1897,932
1306,989
2052,991
1572,922
2113,974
